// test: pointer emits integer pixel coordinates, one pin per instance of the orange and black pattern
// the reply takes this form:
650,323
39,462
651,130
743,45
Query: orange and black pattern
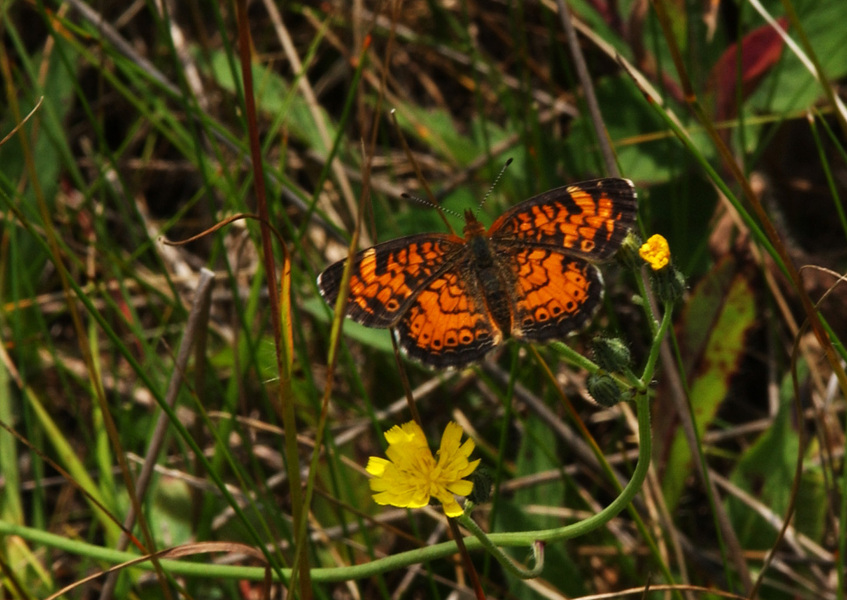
451,300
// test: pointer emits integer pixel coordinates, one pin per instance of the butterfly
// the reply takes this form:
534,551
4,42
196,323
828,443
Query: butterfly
531,276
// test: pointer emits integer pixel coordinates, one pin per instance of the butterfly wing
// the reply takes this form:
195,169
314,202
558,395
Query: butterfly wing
385,278
586,220
549,241
421,286
557,294
447,324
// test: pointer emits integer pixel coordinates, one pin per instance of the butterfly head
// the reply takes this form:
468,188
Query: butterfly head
472,225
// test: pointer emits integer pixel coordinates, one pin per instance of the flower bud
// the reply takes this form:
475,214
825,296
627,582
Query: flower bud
628,254
482,482
611,354
604,389
669,284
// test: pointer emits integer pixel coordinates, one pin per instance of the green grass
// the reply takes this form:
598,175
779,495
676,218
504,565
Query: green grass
255,444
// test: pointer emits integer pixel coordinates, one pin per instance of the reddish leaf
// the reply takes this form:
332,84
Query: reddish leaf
760,50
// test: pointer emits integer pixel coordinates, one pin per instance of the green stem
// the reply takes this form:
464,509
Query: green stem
396,561
493,542
574,357
515,569
653,357
648,306
642,403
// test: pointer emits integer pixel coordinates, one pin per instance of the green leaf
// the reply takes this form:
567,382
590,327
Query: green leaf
378,339
644,151
766,471
437,130
712,334
276,96
793,87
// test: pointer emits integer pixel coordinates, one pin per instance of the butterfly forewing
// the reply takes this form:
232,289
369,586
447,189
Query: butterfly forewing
386,277
588,220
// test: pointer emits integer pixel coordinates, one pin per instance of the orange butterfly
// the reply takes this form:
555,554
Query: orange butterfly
451,300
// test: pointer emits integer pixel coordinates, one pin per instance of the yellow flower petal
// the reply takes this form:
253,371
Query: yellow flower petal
463,487
376,466
451,507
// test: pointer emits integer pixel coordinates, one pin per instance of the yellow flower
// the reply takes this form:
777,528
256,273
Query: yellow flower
656,252
411,475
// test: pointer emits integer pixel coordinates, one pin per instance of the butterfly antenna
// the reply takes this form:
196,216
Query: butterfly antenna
393,114
426,202
493,185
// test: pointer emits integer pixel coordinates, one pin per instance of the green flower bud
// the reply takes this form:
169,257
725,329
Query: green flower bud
605,390
482,482
611,354
669,284
628,254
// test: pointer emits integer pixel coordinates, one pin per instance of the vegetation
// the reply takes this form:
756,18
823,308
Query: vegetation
170,371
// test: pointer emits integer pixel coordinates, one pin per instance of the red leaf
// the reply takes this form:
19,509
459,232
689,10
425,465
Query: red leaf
760,50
